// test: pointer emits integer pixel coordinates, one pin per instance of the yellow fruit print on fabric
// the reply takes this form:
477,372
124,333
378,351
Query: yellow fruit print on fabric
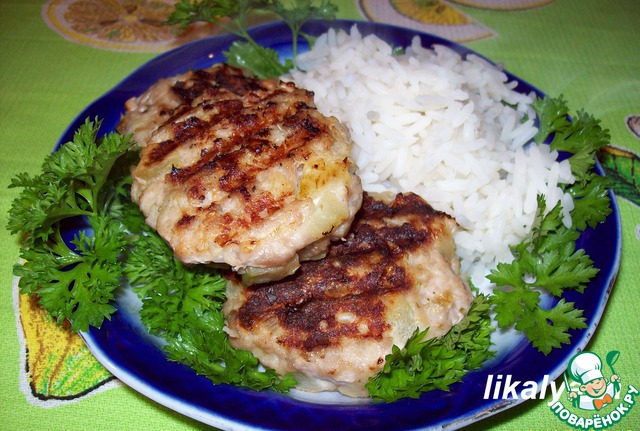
439,17
430,12
120,25
56,365
120,21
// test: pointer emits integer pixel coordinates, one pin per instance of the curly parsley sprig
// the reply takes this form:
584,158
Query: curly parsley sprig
436,363
547,260
73,278
232,15
86,182
184,306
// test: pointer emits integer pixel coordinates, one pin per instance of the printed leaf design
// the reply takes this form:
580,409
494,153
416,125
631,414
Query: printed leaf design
623,168
59,366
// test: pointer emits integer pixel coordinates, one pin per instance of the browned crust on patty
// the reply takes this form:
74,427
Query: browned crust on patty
351,281
241,171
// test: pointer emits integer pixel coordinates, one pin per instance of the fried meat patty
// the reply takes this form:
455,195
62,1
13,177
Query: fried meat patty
333,322
241,171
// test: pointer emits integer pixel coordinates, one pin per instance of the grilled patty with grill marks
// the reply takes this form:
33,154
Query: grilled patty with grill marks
241,171
333,322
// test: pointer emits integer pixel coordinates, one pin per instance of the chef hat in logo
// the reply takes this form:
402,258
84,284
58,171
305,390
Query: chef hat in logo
585,367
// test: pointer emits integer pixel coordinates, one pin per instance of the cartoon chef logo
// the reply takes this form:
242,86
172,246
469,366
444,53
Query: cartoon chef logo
595,390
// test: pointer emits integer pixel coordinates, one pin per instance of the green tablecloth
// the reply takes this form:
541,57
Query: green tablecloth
586,50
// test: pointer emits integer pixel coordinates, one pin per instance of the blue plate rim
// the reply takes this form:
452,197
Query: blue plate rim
95,338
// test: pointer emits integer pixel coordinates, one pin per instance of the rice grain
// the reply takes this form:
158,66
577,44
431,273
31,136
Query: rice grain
450,129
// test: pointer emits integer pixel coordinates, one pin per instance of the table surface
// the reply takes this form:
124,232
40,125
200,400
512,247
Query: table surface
58,56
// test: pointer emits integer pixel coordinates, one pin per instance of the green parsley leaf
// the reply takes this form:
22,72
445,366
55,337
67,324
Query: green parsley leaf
591,199
263,62
297,13
184,306
74,279
435,363
547,260
548,329
553,117
232,15
510,306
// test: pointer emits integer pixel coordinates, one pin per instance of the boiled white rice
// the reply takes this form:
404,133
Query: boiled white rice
452,130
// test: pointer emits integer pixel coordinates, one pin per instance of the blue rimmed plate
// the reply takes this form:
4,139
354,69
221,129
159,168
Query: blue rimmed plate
136,358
